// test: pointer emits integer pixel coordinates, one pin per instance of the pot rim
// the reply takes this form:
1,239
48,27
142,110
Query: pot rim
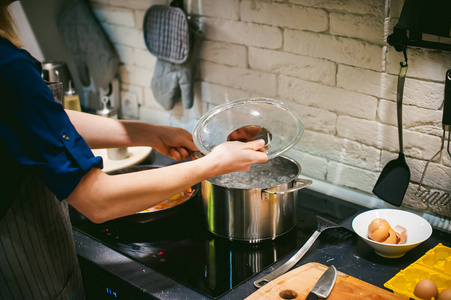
263,188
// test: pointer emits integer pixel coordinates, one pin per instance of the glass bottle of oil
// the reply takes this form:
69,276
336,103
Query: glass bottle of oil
71,99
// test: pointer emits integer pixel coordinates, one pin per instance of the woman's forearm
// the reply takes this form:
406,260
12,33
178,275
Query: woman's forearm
101,132
101,197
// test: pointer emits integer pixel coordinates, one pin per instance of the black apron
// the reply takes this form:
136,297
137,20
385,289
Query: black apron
37,250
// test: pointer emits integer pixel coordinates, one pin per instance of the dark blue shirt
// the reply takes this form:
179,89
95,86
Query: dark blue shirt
36,134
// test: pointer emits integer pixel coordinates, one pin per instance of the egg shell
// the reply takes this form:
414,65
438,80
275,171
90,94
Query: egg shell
392,238
401,233
425,289
445,295
378,230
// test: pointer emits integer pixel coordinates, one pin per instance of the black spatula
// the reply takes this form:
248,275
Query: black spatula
395,177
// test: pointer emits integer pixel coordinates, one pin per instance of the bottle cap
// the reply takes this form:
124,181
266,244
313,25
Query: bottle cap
71,90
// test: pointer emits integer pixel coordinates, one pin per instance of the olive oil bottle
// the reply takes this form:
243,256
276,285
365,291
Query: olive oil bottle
71,99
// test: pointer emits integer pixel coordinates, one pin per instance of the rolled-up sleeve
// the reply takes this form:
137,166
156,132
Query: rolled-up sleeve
36,131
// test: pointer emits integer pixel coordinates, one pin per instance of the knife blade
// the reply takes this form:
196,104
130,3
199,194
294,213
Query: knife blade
324,285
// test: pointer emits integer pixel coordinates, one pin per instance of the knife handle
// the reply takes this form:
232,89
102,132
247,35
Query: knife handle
311,296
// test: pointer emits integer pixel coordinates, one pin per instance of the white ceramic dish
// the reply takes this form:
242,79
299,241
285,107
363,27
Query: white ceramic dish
136,156
418,230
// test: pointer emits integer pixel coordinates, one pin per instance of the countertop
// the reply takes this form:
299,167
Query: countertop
340,247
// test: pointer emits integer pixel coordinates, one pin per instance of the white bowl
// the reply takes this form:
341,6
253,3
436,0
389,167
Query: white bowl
418,230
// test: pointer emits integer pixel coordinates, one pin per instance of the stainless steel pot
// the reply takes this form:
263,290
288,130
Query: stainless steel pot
253,214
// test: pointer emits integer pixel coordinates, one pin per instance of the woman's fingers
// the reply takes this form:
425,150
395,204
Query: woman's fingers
257,153
179,153
175,154
257,145
183,152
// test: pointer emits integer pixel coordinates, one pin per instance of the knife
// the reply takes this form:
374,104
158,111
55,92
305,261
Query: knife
324,285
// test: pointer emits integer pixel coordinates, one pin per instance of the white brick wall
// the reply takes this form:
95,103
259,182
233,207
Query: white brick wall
284,15
279,62
336,48
327,59
239,78
221,9
330,98
374,7
244,33
365,27
224,53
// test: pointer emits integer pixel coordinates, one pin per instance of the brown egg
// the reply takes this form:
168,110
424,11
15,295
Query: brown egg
425,289
392,238
378,230
445,295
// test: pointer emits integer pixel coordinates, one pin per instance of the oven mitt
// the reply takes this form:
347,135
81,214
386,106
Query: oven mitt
166,33
171,81
93,55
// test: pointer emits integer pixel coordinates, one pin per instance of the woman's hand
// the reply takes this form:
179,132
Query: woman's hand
100,132
174,142
237,156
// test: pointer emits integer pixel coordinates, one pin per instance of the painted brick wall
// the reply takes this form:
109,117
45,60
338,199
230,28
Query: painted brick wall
328,59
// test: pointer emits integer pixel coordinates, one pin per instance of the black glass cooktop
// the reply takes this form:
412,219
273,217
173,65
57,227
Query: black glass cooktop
181,248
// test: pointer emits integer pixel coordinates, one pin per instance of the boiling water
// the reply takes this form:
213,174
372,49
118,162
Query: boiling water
263,175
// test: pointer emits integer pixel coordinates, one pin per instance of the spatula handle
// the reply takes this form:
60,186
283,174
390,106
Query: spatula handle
399,96
289,264
447,102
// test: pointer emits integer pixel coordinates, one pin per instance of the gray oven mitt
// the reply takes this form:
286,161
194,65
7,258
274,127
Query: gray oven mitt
171,81
92,52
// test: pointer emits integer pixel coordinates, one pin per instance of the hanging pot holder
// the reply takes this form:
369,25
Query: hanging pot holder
166,33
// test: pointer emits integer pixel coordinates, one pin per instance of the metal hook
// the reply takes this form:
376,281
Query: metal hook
403,64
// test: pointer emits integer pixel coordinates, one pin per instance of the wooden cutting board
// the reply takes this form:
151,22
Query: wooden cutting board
297,283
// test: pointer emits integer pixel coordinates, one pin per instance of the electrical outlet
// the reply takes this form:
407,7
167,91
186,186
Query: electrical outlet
129,104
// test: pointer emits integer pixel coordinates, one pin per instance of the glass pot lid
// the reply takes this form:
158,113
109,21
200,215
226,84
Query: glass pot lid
248,119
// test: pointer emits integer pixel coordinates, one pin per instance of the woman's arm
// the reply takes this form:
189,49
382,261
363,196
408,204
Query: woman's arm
101,132
101,197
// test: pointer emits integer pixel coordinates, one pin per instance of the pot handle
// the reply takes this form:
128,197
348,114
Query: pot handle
301,183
